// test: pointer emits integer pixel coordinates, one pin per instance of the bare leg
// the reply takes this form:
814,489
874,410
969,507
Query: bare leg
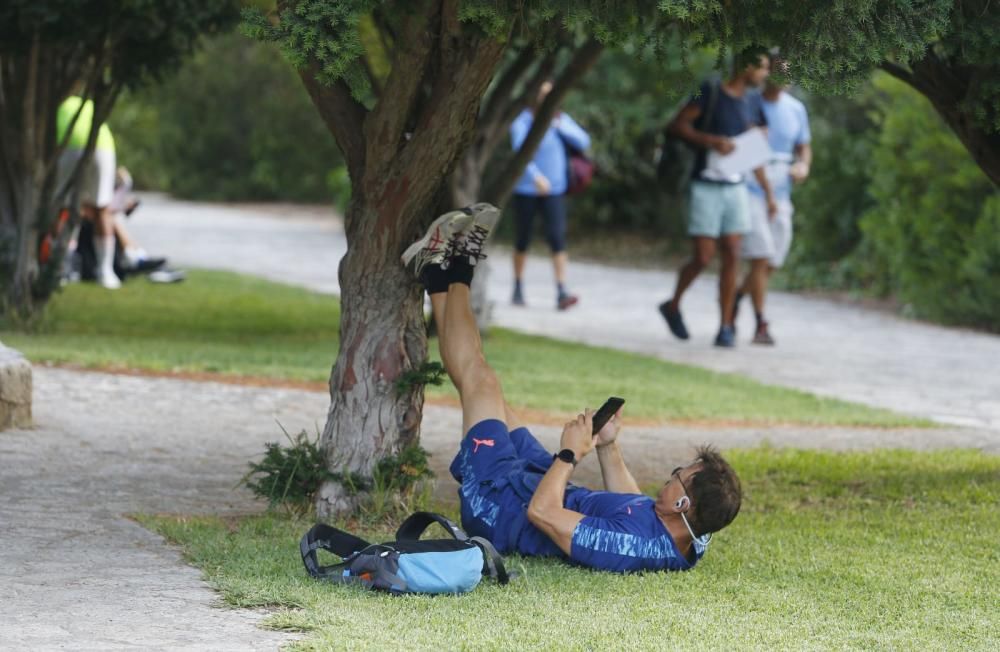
760,273
702,254
729,253
520,258
123,237
104,224
462,353
559,263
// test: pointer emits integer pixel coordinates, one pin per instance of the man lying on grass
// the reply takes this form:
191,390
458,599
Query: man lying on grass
514,492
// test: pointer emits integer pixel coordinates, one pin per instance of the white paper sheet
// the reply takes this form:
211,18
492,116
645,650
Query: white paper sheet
752,151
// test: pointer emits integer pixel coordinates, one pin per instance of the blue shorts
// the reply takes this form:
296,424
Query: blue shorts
497,472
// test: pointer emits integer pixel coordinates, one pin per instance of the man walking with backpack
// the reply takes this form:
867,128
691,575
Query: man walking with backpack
719,212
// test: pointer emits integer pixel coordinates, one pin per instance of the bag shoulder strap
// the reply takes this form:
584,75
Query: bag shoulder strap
492,561
705,119
325,537
416,523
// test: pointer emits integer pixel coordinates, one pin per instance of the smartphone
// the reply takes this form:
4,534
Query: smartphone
608,410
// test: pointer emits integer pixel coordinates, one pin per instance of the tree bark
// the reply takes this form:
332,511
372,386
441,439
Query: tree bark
381,336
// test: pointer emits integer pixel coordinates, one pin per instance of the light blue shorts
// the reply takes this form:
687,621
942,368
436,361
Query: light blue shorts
718,209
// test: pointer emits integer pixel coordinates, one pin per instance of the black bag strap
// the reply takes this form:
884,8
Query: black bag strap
416,523
492,561
325,537
705,119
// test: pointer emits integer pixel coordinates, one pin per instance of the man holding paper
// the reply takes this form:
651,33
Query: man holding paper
717,123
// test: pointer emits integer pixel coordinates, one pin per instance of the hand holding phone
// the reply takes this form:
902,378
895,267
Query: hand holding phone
606,411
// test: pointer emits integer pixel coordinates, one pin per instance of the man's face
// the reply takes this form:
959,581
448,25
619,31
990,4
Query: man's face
676,487
755,75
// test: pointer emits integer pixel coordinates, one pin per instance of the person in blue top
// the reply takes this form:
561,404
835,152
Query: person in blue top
518,495
543,187
767,244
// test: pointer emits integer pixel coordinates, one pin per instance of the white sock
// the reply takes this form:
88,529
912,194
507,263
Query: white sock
104,247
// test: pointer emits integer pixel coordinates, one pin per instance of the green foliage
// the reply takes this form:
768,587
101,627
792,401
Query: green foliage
936,215
149,37
291,475
897,207
428,373
233,124
835,45
829,249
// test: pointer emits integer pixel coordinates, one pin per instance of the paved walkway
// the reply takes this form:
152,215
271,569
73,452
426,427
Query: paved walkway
828,348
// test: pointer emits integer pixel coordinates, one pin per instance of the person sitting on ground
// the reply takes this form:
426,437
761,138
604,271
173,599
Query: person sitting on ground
515,493
74,121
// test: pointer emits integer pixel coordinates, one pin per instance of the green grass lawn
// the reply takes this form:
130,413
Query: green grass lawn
892,550
237,325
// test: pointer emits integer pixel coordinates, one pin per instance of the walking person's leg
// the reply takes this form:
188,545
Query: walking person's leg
729,255
704,223
736,221
524,217
702,252
554,210
760,248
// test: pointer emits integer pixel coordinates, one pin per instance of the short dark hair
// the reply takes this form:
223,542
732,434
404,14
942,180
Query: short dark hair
716,493
751,56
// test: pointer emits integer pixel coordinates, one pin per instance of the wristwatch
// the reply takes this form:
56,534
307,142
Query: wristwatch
566,455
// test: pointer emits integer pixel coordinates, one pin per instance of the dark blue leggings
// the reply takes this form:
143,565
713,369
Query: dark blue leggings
553,208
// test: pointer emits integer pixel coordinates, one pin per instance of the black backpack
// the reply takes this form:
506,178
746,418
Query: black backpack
406,565
673,170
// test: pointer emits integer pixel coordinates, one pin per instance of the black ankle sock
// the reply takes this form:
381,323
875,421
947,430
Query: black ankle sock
460,271
560,290
435,279
760,318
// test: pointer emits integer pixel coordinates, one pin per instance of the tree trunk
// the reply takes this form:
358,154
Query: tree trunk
381,335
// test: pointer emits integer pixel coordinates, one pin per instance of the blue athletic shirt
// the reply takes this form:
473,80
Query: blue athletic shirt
619,532
499,472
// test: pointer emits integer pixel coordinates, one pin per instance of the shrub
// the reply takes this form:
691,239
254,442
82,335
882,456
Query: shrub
289,476
234,123
936,214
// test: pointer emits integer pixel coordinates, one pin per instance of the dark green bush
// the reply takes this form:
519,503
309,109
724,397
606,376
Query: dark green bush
289,475
936,218
235,123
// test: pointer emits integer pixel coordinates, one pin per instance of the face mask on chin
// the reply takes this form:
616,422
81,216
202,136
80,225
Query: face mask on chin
700,544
